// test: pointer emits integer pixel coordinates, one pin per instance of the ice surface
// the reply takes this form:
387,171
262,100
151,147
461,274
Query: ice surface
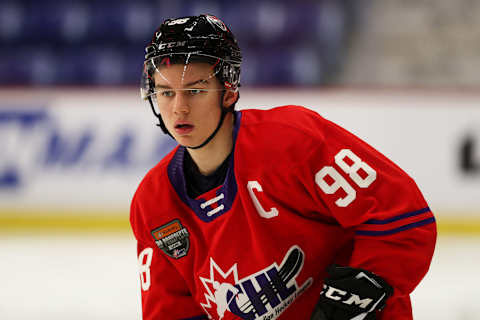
95,277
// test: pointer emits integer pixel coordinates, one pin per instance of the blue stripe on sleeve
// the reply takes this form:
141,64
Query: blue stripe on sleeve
399,217
392,231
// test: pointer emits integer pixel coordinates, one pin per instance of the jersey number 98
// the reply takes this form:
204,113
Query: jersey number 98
339,182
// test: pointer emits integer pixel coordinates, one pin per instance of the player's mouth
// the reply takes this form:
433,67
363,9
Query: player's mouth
183,127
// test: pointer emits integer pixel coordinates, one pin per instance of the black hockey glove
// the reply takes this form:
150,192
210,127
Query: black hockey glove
351,294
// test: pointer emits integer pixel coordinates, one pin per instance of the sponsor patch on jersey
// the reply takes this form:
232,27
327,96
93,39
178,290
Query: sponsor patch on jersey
173,239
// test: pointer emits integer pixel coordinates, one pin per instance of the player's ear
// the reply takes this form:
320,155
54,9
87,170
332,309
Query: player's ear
229,98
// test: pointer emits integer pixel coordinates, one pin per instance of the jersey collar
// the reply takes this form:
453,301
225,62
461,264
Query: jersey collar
216,202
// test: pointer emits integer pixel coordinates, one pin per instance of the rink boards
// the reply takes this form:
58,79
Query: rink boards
72,158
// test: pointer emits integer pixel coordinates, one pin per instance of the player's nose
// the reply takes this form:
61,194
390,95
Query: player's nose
180,103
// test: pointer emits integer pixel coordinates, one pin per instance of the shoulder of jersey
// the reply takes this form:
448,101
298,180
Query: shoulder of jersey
152,184
296,120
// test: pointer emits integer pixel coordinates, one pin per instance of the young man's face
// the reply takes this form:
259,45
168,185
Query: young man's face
189,99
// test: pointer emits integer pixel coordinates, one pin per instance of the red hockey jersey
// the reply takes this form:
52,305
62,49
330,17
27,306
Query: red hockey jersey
300,194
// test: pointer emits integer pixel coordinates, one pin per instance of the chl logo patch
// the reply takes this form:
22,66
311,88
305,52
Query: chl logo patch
262,295
173,239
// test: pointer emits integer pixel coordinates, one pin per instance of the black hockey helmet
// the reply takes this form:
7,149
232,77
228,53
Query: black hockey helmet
200,38
203,38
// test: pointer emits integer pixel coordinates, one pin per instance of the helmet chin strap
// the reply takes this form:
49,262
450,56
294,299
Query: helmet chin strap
219,125
220,122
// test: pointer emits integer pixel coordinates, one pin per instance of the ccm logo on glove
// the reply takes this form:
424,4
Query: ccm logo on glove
345,297
351,294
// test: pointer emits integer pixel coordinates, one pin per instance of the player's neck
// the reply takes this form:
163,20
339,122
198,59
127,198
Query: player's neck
212,155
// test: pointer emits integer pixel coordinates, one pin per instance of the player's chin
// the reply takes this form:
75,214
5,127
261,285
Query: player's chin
186,141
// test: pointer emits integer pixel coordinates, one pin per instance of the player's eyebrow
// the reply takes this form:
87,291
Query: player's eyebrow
201,81
164,86
161,86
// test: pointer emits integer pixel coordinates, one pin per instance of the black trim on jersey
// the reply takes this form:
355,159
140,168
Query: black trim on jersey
197,183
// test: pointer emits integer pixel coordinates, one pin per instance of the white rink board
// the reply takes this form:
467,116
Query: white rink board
88,149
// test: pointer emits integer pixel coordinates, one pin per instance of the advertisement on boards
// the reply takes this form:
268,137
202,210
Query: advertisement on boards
80,152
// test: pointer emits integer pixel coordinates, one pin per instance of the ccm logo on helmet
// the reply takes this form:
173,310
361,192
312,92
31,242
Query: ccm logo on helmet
345,297
172,44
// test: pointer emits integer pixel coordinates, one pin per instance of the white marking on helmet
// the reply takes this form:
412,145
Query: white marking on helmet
178,21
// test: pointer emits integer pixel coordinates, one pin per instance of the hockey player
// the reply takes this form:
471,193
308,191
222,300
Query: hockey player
276,214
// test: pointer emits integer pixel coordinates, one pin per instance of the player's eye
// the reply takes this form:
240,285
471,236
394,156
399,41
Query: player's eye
195,91
166,93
